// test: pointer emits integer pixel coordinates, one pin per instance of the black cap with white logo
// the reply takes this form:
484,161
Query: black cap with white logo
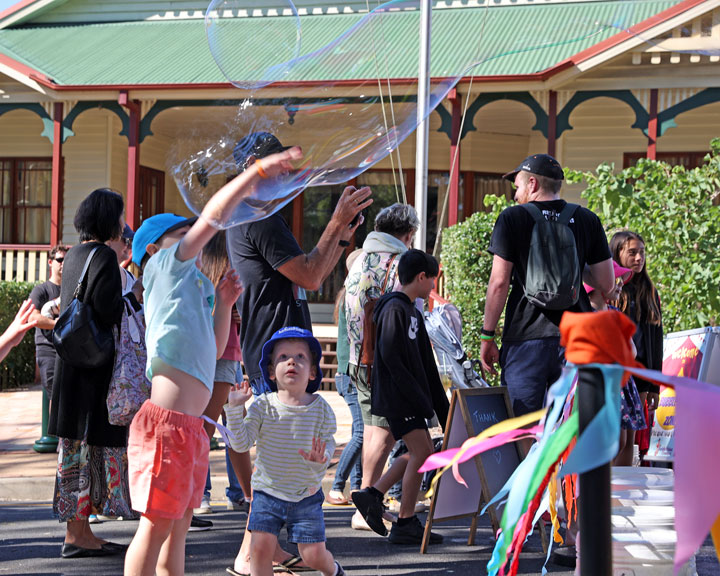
540,164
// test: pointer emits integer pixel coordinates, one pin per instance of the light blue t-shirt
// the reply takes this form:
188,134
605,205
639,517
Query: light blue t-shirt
179,302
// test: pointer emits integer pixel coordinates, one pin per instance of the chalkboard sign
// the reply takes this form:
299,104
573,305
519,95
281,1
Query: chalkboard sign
472,411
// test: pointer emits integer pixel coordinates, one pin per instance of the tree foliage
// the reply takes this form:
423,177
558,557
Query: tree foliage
466,266
675,210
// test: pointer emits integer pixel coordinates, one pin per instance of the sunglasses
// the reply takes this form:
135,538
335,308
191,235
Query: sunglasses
128,242
59,260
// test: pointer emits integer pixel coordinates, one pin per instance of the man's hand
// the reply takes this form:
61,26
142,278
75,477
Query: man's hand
317,453
229,288
138,290
489,356
239,394
351,203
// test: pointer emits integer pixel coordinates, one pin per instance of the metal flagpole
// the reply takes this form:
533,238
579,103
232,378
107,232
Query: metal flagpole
422,135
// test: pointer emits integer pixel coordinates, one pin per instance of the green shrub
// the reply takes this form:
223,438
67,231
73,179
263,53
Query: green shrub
466,266
18,368
673,209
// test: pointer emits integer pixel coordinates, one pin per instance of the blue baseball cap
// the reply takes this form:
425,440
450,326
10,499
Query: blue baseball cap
284,334
152,229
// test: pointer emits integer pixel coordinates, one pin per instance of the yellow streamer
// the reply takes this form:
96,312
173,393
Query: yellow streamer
494,430
552,493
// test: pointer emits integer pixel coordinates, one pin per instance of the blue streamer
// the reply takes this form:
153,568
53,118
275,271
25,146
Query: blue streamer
599,442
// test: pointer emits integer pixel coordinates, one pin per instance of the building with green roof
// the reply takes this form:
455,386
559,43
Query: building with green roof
99,93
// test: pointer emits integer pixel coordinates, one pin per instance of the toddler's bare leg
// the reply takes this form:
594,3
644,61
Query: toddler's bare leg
317,556
262,548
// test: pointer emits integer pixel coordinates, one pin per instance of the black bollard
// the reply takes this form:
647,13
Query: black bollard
594,497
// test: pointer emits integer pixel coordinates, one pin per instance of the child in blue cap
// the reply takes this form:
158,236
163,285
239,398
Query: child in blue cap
293,428
188,322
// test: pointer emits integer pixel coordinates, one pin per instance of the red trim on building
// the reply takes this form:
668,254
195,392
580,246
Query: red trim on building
57,176
455,148
132,205
653,125
15,8
25,247
552,123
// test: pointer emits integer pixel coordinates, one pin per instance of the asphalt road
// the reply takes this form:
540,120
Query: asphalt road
30,540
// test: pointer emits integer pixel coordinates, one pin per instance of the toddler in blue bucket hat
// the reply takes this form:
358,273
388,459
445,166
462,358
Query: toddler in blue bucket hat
293,430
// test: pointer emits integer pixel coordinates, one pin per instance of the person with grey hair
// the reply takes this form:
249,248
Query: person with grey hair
373,274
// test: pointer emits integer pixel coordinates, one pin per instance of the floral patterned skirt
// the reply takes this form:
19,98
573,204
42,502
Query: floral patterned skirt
91,480
631,408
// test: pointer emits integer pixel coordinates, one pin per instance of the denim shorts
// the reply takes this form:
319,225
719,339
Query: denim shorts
226,370
304,519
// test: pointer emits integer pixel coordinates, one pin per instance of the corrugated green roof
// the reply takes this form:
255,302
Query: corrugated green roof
513,40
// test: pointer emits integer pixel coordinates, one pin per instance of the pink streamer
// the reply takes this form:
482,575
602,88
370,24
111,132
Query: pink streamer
697,468
445,458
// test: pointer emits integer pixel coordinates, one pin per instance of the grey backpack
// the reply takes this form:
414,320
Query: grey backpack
553,274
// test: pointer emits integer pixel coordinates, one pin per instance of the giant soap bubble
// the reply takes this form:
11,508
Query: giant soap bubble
350,123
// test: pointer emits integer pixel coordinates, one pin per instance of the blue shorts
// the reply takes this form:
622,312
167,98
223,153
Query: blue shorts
528,369
305,521
226,371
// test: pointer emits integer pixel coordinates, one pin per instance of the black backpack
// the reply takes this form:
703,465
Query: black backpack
553,273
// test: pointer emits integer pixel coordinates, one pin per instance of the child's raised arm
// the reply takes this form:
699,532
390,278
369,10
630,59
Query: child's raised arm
229,196
17,329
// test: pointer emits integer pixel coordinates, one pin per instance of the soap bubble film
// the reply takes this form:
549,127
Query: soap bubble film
349,124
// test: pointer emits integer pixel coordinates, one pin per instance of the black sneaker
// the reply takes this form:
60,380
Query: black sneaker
199,524
411,533
372,509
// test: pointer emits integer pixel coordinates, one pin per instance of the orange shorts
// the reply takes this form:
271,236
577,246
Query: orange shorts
167,461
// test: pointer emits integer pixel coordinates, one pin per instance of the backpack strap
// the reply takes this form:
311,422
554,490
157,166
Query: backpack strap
563,218
534,211
567,213
387,274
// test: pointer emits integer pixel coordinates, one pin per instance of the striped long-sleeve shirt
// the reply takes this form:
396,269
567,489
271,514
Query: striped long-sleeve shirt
280,431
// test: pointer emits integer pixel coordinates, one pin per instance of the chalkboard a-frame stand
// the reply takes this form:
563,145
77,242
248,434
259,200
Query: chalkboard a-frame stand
472,411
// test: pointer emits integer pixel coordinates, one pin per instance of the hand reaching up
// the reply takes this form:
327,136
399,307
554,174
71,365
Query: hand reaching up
239,394
317,453
229,288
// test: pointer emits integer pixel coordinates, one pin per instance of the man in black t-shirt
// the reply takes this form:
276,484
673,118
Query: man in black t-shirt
531,357
274,270
41,295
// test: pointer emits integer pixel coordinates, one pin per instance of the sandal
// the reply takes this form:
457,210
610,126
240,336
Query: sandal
291,565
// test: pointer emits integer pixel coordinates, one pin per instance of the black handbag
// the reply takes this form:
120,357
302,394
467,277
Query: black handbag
77,338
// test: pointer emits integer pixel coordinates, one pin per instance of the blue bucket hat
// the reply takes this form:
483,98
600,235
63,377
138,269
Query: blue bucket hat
284,334
152,229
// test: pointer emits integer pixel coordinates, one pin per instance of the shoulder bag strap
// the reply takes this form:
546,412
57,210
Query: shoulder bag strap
387,273
79,287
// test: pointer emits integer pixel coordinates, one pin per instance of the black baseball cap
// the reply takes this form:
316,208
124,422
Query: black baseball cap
257,144
540,164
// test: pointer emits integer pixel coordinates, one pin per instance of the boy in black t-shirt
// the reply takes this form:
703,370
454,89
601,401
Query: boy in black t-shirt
406,389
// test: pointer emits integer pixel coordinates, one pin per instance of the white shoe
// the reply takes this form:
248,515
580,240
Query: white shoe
393,506
204,507
358,522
